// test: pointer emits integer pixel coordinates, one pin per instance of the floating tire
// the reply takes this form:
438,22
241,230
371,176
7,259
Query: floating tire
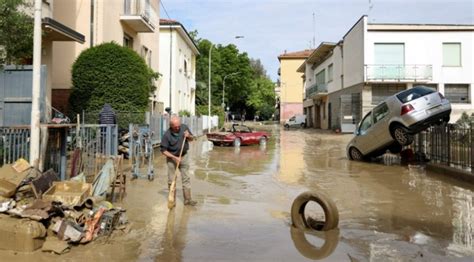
331,214
308,250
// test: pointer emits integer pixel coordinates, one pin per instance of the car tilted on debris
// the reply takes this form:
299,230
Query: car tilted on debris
238,135
393,123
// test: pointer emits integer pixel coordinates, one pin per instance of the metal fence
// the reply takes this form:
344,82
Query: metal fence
14,144
160,123
124,118
96,143
450,144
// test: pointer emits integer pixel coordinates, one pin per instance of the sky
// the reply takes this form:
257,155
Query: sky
270,27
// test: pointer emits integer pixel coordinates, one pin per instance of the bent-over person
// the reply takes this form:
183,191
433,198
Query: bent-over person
170,147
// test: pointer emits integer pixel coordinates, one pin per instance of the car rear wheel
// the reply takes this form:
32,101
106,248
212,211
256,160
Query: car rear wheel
262,141
303,125
355,154
237,142
401,135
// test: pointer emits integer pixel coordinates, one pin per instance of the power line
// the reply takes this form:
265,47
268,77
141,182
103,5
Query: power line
164,8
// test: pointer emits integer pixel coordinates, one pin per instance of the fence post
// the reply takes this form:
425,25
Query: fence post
448,140
471,141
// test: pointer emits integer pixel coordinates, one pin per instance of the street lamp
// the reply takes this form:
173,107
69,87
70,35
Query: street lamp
223,87
209,85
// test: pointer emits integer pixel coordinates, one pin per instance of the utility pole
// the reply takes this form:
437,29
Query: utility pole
35,97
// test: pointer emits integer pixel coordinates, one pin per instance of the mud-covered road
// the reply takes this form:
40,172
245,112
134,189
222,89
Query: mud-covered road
387,213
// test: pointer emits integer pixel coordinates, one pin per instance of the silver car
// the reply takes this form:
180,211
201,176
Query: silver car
393,123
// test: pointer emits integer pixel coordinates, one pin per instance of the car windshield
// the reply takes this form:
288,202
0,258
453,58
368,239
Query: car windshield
414,93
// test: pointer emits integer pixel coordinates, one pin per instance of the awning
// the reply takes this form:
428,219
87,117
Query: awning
55,31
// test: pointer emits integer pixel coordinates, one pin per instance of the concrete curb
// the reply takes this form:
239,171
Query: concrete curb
451,172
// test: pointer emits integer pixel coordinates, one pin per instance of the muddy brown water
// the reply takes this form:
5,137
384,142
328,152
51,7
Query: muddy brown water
387,213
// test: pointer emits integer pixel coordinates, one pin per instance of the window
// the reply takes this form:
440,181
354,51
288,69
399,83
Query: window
382,91
149,58
365,124
389,53
380,112
127,41
185,67
321,77
414,93
389,59
451,54
330,72
145,53
457,93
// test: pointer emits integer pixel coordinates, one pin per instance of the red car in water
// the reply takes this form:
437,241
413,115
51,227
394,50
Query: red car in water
238,135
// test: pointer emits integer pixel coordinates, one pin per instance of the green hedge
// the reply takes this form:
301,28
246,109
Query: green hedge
109,73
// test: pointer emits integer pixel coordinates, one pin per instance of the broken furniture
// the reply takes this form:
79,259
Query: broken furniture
69,193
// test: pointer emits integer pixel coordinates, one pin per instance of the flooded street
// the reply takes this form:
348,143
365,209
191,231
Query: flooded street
386,213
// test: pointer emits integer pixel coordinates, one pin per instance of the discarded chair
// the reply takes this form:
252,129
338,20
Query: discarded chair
120,179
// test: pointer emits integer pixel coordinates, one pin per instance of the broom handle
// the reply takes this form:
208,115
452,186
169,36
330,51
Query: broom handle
180,154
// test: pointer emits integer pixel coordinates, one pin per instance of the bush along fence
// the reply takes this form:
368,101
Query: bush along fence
450,145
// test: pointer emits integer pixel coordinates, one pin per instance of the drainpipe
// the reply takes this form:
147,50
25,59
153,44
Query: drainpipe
92,24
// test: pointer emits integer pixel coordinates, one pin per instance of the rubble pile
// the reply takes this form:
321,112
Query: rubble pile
38,211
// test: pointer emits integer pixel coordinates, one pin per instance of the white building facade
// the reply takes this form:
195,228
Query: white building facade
374,61
178,53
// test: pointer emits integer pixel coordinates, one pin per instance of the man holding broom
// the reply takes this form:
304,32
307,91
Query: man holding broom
174,145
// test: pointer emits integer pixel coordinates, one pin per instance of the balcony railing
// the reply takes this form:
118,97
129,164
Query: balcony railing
398,72
140,15
315,90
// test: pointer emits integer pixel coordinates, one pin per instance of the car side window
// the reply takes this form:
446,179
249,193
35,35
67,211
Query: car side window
380,112
365,124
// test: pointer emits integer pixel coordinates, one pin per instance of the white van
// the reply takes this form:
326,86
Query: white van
296,120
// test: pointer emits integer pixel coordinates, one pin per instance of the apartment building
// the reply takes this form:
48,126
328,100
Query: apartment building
291,88
131,23
178,53
344,81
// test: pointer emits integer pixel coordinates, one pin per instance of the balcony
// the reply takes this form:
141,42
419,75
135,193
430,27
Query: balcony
399,73
316,90
139,15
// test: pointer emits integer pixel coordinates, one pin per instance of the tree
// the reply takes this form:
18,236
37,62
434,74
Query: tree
16,32
109,73
249,91
258,68
262,98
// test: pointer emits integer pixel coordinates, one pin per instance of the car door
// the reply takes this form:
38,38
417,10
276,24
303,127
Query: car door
365,137
381,125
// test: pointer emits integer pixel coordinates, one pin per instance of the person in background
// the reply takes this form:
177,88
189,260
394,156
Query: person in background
107,116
